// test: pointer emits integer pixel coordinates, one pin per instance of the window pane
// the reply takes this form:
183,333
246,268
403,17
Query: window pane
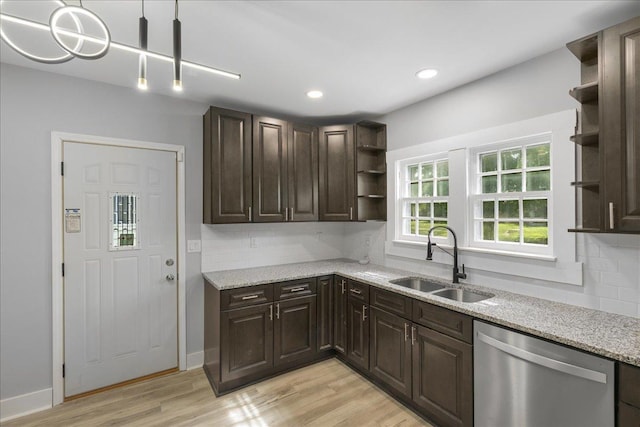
536,208
424,227
443,187
414,189
427,188
412,229
440,210
443,168
413,172
489,184
538,181
427,170
488,209
536,233
509,232
508,209
488,230
125,221
511,159
425,209
511,182
489,162
538,155
410,209
440,232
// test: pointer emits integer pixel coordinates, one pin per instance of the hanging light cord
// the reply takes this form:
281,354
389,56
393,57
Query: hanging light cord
176,9
143,8
83,6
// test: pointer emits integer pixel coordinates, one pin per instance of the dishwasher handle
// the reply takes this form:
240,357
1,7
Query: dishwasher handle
547,362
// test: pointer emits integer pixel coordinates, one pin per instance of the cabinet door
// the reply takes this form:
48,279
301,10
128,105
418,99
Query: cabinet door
358,333
247,341
269,170
294,329
325,313
620,127
303,172
337,174
340,315
442,377
390,350
227,166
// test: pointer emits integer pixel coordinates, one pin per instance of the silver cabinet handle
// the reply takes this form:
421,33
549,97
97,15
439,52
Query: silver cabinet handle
286,214
576,371
343,286
406,332
249,297
291,214
356,291
364,312
351,214
297,289
250,219
278,311
170,277
413,335
612,221
271,312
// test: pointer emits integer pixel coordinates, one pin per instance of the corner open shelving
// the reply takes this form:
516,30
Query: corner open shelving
371,166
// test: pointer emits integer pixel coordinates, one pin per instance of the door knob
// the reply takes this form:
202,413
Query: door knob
169,262
171,277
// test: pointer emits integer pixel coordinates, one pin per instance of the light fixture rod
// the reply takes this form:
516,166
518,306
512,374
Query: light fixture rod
120,46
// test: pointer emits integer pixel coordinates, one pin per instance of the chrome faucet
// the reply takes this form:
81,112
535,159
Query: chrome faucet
456,273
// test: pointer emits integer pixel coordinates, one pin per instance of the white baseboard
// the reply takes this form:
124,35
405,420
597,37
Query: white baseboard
25,404
195,360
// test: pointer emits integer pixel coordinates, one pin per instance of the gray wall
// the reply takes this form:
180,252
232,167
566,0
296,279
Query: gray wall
33,104
531,89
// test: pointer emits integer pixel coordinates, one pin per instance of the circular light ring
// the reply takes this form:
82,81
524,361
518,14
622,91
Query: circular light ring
315,94
72,10
45,60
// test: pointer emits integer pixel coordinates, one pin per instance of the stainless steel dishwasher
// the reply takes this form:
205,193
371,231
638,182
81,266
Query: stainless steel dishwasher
521,381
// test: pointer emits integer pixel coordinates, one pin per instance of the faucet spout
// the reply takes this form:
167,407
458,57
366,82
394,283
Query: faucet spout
456,272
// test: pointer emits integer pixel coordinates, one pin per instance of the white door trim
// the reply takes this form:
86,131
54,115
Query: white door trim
57,292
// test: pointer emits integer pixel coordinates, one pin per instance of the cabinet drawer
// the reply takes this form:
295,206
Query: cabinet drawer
359,291
456,325
242,297
295,288
629,384
391,302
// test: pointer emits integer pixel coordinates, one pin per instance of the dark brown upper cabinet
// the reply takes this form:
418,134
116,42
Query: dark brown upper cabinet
227,166
337,174
608,130
302,164
269,170
371,170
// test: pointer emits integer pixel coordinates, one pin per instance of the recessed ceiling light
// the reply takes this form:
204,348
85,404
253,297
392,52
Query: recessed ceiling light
314,94
427,73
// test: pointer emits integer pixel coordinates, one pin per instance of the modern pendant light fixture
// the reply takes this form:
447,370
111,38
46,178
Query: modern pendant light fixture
103,41
142,61
177,53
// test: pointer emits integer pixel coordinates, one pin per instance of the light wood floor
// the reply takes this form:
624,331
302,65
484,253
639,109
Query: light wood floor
325,394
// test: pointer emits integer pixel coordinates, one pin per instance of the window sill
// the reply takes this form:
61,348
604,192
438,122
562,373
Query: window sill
539,257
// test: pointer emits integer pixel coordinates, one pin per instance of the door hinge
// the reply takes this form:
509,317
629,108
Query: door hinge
63,269
63,371
62,168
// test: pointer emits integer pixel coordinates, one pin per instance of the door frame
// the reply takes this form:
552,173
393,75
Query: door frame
57,248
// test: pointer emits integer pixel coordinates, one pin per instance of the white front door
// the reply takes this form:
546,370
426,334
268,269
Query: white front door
120,248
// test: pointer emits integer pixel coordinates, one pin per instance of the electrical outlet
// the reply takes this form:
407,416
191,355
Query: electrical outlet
194,246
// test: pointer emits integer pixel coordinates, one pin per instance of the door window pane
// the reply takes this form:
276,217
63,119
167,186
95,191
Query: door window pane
124,221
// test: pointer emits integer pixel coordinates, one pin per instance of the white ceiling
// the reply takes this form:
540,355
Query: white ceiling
362,54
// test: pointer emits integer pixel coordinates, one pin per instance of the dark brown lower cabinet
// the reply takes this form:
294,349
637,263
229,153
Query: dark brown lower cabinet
628,392
325,313
358,333
340,315
246,341
390,350
442,377
294,329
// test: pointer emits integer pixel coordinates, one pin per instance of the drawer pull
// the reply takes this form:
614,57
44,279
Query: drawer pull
297,289
249,297
413,335
406,332
356,291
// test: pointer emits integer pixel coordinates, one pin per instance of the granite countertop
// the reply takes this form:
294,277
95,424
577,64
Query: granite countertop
606,334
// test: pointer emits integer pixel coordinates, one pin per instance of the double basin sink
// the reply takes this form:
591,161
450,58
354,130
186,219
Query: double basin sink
437,289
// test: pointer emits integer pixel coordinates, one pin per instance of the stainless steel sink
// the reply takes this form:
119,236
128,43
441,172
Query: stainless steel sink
418,283
461,295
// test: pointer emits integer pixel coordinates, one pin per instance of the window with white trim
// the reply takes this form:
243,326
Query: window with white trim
510,196
424,197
